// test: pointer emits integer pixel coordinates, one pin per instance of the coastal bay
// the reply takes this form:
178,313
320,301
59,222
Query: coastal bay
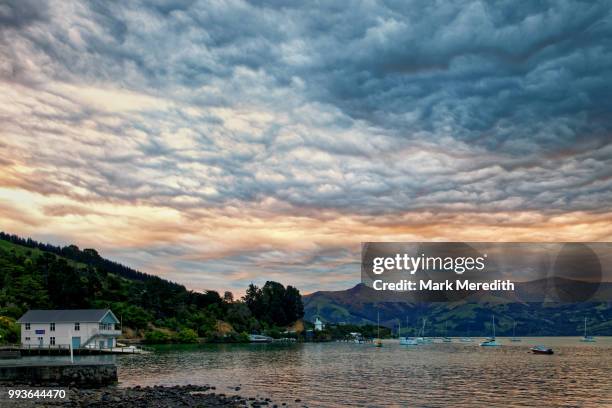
319,374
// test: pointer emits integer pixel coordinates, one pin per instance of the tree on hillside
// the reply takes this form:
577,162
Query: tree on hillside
294,308
253,300
274,304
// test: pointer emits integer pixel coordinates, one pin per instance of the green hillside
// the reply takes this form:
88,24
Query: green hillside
41,276
359,305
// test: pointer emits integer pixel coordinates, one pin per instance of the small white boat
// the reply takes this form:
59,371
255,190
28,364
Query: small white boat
446,339
491,341
408,341
585,338
378,341
405,341
258,338
514,338
421,339
466,339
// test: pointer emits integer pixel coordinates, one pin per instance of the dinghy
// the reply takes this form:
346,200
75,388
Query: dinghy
542,350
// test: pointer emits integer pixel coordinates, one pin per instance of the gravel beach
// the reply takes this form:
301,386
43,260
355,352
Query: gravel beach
153,397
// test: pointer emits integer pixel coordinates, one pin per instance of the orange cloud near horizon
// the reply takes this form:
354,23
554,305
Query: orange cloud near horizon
271,240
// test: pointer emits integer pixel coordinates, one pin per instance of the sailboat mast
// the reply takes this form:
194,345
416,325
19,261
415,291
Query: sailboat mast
493,326
585,319
378,323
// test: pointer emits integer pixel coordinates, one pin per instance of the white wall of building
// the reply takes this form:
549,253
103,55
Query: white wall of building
63,334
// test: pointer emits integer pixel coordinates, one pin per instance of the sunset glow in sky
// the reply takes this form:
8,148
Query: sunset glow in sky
219,143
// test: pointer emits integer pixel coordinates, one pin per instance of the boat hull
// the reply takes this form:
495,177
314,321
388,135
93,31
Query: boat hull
490,343
408,342
542,351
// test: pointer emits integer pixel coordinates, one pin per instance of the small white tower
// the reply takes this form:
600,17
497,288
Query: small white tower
318,324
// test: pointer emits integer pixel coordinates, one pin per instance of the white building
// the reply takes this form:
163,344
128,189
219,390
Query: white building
83,328
318,324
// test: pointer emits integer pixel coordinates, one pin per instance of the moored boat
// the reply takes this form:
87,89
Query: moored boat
491,341
446,339
466,339
258,338
403,340
585,338
378,341
514,338
541,350
422,339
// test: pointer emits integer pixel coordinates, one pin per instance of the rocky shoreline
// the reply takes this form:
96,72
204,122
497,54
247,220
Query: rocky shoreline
160,397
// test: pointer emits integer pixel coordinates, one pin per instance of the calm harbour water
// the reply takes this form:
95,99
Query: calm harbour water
436,375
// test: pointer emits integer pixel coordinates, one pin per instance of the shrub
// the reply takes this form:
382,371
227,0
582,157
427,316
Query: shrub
187,336
156,337
9,330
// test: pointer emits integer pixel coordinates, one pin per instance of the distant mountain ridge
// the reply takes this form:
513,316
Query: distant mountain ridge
361,305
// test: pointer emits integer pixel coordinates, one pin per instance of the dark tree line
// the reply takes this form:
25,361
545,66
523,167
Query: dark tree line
87,256
67,278
274,304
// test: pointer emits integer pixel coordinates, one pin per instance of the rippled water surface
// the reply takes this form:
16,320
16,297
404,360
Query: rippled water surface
437,375
348,374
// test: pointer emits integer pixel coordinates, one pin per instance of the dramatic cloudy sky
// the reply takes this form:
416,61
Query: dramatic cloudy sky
219,143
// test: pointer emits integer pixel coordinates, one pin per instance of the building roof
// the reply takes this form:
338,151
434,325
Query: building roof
59,316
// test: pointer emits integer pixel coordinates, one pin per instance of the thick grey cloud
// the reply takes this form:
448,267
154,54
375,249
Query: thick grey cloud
365,108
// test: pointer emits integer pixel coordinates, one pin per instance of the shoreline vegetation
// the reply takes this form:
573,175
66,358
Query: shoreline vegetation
153,310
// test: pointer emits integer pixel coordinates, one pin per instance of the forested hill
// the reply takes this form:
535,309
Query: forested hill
86,256
34,275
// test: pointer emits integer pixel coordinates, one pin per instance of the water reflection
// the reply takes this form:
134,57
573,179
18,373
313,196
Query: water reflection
340,374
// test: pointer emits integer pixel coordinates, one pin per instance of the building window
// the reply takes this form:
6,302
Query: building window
27,326
52,341
77,326
27,339
51,326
